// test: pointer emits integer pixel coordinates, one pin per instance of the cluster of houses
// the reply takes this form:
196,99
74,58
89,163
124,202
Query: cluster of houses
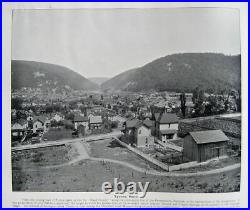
140,116
40,124
33,124
163,126
197,146
87,123
82,123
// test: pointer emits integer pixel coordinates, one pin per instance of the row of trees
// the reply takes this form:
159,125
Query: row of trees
212,104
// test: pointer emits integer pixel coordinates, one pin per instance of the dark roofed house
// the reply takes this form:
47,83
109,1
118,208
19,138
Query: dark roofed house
150,124
204,145
130,130
79,118
166,126
80,121
168,118
131,124
138,133
95,122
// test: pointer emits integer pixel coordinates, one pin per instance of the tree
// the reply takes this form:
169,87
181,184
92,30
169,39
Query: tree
73,104
107,124
198,99
53,123
16,103
211,106
195,95
49,109
114,124
238,101
68,125
183,104
69,116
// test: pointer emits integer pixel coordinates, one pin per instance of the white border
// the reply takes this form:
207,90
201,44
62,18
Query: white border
9,196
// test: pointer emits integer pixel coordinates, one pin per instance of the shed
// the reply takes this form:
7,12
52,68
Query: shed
204,145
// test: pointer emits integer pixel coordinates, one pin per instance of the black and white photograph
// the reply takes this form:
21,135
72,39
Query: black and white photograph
122,100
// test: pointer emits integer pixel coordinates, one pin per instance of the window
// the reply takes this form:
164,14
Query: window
139,131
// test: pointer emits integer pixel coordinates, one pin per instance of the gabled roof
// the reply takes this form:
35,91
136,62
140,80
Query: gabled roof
79,118
210,136
167,118
22,121
42,119
59,114
133,123
95,119
148,123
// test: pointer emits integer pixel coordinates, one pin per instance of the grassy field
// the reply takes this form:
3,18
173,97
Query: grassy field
88,176
112,150
57,134
35,159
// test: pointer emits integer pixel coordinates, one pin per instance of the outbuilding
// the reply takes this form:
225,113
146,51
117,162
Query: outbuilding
204,145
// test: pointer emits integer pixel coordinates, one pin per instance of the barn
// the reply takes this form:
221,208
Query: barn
204,145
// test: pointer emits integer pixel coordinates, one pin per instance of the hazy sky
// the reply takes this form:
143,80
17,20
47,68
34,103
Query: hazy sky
107,42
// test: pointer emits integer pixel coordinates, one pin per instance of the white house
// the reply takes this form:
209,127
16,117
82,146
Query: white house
57,117
40,124
138,133
143,136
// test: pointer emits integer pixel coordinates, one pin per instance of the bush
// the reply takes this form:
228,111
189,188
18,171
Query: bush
37,157
114,124
202,185
216,185
69,126
236,188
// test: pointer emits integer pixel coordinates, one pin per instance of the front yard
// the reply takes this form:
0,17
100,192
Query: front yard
57,134
110,149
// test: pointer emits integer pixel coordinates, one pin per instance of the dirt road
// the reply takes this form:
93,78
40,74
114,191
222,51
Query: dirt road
82,150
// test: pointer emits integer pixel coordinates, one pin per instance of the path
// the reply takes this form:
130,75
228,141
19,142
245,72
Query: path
168,174
66,141
142,170
82,150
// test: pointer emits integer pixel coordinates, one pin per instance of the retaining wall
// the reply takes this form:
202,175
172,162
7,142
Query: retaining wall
229,127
